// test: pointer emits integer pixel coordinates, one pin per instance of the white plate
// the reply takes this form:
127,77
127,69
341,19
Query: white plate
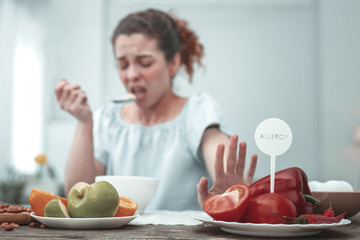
84,223
271,230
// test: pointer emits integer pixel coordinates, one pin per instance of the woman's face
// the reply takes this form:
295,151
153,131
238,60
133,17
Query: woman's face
143,69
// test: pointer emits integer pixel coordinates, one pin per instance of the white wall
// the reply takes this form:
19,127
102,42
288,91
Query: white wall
263,59
340,88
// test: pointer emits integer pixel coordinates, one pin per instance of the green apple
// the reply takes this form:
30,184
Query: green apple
55,208
99,199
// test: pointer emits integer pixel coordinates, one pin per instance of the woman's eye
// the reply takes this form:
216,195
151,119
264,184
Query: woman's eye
123,65
146,63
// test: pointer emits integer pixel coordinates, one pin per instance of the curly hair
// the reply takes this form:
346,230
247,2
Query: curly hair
173,35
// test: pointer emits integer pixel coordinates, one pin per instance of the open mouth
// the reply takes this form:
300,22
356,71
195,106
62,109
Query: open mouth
139,92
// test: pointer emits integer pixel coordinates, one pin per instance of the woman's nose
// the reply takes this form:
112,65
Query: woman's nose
133,73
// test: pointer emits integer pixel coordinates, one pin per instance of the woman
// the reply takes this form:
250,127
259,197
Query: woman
160,134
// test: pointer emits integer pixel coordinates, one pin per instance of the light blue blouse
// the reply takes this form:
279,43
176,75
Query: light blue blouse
169,151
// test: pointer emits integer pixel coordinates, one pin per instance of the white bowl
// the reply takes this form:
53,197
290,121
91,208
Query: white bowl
139,189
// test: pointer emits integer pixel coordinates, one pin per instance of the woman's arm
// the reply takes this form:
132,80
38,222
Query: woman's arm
224,173
211,138
81,164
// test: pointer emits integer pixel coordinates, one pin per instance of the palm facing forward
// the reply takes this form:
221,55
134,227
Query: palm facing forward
232,174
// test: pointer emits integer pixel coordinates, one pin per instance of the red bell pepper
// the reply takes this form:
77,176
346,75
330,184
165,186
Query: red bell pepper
291,183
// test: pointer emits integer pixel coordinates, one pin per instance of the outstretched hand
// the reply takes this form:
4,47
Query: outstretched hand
233,174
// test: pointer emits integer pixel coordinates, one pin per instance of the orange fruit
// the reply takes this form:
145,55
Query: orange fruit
127,207
39,198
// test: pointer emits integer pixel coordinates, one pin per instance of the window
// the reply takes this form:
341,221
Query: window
27,113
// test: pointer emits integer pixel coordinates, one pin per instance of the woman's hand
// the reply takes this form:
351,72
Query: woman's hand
233,174
73,100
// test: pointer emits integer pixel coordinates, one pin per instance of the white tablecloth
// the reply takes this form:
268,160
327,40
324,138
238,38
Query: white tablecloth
168,218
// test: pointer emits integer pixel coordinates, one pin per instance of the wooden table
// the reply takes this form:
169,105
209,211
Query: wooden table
130,231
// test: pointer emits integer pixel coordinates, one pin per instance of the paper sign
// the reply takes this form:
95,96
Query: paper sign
273,137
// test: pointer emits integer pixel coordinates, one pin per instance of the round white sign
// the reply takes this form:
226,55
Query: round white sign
273,136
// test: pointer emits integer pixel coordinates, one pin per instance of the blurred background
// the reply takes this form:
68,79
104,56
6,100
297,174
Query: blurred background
298,60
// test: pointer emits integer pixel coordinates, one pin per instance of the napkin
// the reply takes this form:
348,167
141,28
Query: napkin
163,217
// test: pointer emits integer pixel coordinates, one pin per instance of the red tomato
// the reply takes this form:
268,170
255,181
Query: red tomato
262,207
229,206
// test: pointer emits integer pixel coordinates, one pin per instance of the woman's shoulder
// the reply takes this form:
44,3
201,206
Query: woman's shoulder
107,113
201,107
105,109
201,100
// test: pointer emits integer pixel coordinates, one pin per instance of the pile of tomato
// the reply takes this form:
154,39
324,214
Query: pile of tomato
237,205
